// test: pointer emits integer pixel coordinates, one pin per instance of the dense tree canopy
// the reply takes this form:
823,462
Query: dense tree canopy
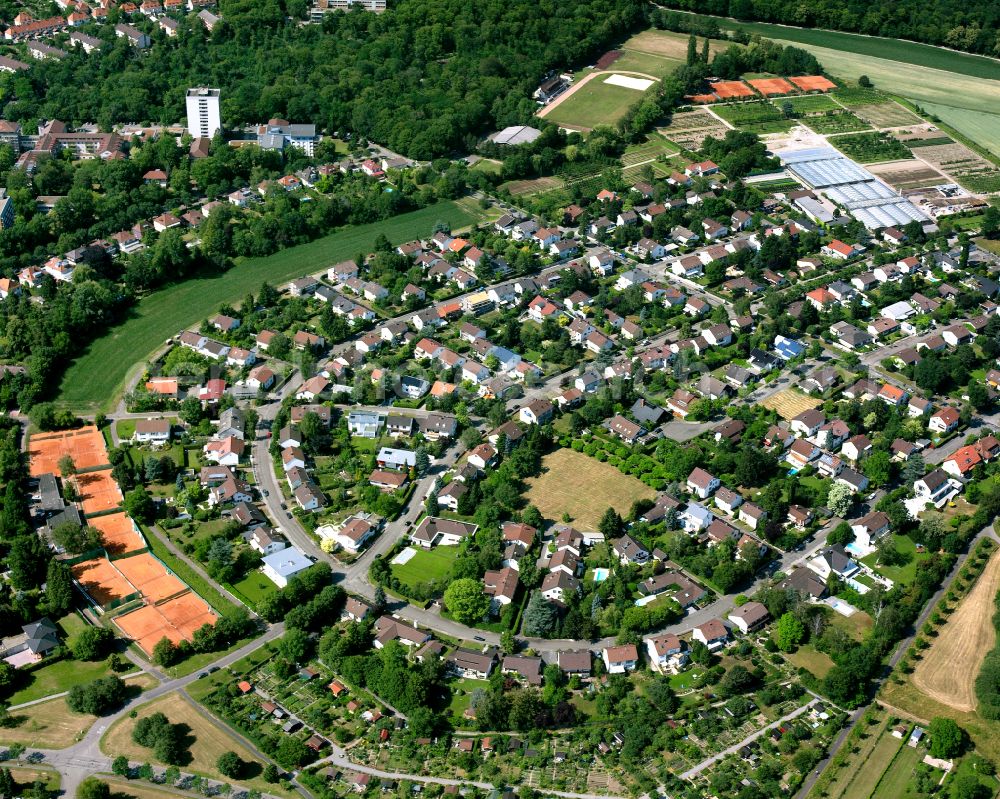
419,79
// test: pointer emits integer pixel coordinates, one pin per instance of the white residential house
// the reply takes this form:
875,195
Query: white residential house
620,659
280,566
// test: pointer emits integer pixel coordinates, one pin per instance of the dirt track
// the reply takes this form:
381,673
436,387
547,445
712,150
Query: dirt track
947,673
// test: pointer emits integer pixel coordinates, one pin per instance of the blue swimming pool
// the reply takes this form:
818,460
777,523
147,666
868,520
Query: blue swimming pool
601,574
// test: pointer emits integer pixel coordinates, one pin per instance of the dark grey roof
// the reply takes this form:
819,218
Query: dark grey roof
48,492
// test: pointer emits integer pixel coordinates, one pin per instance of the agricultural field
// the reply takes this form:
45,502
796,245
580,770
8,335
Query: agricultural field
759,117
523,188
889,114
965,166
51,725
947,671
689,129
836,122
908,174
656,52
866,148
897,778
205,739
97,377
583,487
809,103
591,102
648,152
789,403
859,779
959,85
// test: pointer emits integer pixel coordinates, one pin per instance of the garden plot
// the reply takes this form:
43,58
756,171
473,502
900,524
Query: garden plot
964,165
689,129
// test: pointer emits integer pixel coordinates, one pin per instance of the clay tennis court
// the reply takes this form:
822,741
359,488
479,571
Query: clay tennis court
727,89
85,446
150,576
102,581
98,491
770,87
175,619
814,83
118,533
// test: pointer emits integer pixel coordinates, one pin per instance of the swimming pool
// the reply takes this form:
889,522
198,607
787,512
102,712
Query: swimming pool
601,574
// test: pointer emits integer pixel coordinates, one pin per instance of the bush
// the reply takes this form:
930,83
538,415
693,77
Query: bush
229,765
97,698
93,788
94,643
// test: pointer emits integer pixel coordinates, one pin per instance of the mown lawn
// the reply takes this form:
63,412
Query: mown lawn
254,587
58,677
96,378
426,565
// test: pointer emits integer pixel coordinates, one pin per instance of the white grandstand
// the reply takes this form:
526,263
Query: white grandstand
851,186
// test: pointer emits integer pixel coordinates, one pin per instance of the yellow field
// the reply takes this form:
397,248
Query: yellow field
947,672
583,487
789,403
49,725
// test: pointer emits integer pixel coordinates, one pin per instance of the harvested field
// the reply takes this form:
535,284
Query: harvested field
50,724
728,89
85,446
667,44
772,87
814,83
947,672
150,576
584,487
118,532
102,581
99,491
789,403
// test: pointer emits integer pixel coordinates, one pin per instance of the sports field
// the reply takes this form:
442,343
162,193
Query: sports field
947,672
175,619
592,102
94,381
583,487
150,576
118,532
102,581
85,446
99,491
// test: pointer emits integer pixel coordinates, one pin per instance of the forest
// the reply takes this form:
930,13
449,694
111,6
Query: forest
424,80
973,26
